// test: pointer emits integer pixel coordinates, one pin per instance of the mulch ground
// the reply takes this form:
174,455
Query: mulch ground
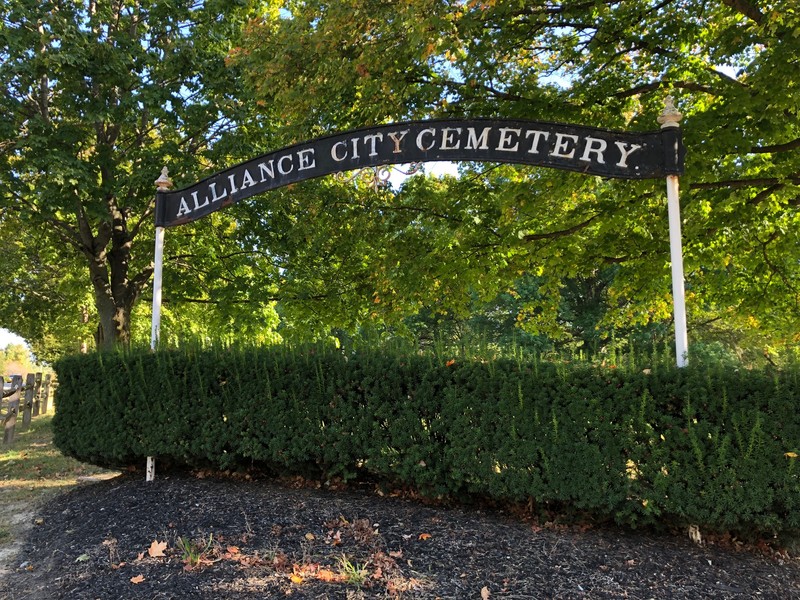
183,537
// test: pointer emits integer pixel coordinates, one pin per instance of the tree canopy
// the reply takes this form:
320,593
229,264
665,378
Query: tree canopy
730,64
101,96
98,96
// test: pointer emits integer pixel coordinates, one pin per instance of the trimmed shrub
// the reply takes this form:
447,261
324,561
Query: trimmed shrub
710,445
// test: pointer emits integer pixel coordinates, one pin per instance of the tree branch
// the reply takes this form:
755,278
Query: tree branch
788,146
746,8
741,183
764,194
654,85
561,233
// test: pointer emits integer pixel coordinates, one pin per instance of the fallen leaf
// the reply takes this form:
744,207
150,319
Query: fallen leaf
138,579
140,556
396,553
424,536
233,550
156,549
296,579
310,537
791,455
327,575
280,561
485,593
82,558
378,573
450,362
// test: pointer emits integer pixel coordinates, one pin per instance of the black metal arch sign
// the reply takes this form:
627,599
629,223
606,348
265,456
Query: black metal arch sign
587,150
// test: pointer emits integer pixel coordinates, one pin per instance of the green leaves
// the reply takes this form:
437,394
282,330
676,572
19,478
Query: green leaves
709,444
331,66
99,98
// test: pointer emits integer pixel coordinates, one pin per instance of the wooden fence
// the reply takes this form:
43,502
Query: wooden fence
31,398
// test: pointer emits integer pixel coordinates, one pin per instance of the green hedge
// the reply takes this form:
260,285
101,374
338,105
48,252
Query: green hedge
713,446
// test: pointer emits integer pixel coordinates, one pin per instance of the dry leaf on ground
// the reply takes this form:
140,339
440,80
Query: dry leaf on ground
329,576
156,549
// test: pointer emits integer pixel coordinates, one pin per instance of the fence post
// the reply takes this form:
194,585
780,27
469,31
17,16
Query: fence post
45,393
37,388
10,418
30,383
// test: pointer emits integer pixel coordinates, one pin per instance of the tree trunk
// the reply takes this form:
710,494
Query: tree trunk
115,292
114,323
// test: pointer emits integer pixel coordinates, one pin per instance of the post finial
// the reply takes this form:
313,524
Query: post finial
163,183
670,116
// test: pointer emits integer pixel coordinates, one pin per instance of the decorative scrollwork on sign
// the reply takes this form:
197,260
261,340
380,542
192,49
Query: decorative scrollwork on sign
377,177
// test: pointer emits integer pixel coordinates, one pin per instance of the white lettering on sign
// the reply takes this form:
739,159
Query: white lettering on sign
214,197
625,153
578,148
449,141
397,137
183,208
197,205
477,143
335,153
506,142
562,147
247,180
305,158
430,132
372,139
267,168
537,136
594,146
285,170
234,189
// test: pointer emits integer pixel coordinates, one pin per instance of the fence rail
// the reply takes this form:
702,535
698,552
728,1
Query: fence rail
32,398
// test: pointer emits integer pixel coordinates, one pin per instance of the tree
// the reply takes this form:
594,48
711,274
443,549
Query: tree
15,359
43,292
332,66
98,96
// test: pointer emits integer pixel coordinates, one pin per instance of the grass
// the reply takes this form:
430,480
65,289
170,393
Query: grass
32,470
353,573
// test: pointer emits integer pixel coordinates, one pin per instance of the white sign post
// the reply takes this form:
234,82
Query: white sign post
163,184
670,117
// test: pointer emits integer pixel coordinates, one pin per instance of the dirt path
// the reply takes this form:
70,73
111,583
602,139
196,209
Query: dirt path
18,525
33,471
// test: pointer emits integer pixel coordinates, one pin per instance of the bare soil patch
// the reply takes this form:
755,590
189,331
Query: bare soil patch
183,537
